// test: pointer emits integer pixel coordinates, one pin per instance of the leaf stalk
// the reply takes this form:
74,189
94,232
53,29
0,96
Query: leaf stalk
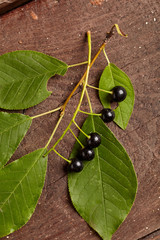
77,64
54,131
45,113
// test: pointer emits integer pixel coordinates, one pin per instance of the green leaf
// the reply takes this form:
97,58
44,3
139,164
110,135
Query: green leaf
104,191
24,76
21,184
112,76
13,127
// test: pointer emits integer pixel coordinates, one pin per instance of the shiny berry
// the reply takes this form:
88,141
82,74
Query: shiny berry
107,115
119,94
86,154
76,165
94,140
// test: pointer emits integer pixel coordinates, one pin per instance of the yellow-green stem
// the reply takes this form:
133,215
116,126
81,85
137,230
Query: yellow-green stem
89,102
54,130
62,108
83,77
62,156
90,113
76,138
82,94
102,90
77,64
105,54
42,114
81,130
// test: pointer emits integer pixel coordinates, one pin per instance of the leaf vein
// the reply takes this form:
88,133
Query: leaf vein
12,219
40,63
15,68
115,179
37,88
27,89
117,192
27,65
20,213
7,92
116,169
100,174
26,204
115,156
7,75
15,125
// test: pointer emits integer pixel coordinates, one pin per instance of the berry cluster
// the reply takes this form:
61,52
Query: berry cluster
118,95
86,153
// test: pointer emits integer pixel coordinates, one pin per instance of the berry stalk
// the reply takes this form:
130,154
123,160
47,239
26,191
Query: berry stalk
89,102
69,161
99,89
76,138
90,113
80,129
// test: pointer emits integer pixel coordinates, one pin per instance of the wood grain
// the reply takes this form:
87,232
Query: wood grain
59,30
154,236
6,5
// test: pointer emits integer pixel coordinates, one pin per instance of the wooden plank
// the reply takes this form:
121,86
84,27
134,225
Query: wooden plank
152,236
59,30
6,5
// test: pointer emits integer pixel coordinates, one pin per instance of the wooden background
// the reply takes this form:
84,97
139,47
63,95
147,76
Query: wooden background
6,5
58,28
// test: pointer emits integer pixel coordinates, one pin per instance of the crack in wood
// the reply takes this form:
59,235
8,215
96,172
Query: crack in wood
152,234
6,5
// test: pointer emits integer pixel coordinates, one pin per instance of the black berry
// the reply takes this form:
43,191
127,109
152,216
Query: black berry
86,154
94,140
119,94
107,115
76,165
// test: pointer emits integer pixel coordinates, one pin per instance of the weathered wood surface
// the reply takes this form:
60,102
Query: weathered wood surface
6,5
58,28
154,236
